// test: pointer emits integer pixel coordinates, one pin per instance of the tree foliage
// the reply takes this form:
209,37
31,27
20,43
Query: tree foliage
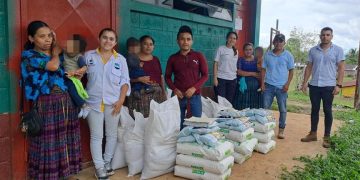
352,56
300,42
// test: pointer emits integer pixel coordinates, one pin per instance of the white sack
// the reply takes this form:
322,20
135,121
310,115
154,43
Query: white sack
216,167
263,128
265,147
118,161
247,147
222,150
207,107
134,145
126,121
224,102
238,136
160,138
193,173
264,137
216,108
239,158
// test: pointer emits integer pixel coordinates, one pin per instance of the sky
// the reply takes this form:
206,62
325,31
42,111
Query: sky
343,16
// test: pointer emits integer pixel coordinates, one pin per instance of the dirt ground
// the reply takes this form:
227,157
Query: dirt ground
260,166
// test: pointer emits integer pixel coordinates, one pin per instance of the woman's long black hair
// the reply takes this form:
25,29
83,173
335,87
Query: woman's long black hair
31,31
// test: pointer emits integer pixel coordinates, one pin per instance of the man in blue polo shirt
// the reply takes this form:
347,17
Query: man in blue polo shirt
277,73
326,67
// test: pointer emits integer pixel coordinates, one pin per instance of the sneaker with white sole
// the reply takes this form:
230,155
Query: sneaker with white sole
109,170
101,174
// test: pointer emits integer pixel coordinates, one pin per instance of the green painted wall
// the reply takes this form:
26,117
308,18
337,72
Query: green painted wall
256,13
4,49
163,24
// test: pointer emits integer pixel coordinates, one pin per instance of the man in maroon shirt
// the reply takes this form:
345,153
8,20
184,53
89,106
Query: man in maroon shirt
190,73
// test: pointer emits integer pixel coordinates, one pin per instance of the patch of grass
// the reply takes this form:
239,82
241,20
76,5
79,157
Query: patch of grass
343,158
298,96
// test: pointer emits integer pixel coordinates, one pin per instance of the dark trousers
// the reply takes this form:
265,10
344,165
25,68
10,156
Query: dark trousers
316,95
78,101
226,89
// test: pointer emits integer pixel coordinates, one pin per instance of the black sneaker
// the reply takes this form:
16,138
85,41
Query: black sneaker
101,174
109,170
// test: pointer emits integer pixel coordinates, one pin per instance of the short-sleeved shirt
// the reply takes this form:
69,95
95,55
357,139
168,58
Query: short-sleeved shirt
325,64
152,68
227,60
105,79
37,79
277,67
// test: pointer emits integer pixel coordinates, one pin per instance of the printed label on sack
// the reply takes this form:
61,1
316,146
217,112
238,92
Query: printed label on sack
228,152
198,171
197,167
249,136
226,131
197,155
272,126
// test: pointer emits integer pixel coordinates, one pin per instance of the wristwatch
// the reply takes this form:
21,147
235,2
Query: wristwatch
339,85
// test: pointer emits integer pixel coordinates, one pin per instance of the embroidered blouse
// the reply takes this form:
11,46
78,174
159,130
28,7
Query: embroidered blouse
37,80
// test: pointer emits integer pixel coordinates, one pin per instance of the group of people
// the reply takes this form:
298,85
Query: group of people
260,78
52,80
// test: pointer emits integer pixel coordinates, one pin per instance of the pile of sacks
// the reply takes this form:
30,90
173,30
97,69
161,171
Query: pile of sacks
148,146
235,126
264,125
202,153
240,133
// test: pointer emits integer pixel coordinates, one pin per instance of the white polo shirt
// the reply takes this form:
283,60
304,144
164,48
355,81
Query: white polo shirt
105,80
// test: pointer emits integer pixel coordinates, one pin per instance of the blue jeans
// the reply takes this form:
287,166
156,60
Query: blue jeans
281,97
195,107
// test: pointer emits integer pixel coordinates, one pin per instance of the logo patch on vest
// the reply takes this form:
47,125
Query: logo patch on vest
117,66
91,62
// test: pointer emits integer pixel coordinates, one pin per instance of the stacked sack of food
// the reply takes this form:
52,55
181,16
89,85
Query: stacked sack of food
264,125
240,133
202,153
